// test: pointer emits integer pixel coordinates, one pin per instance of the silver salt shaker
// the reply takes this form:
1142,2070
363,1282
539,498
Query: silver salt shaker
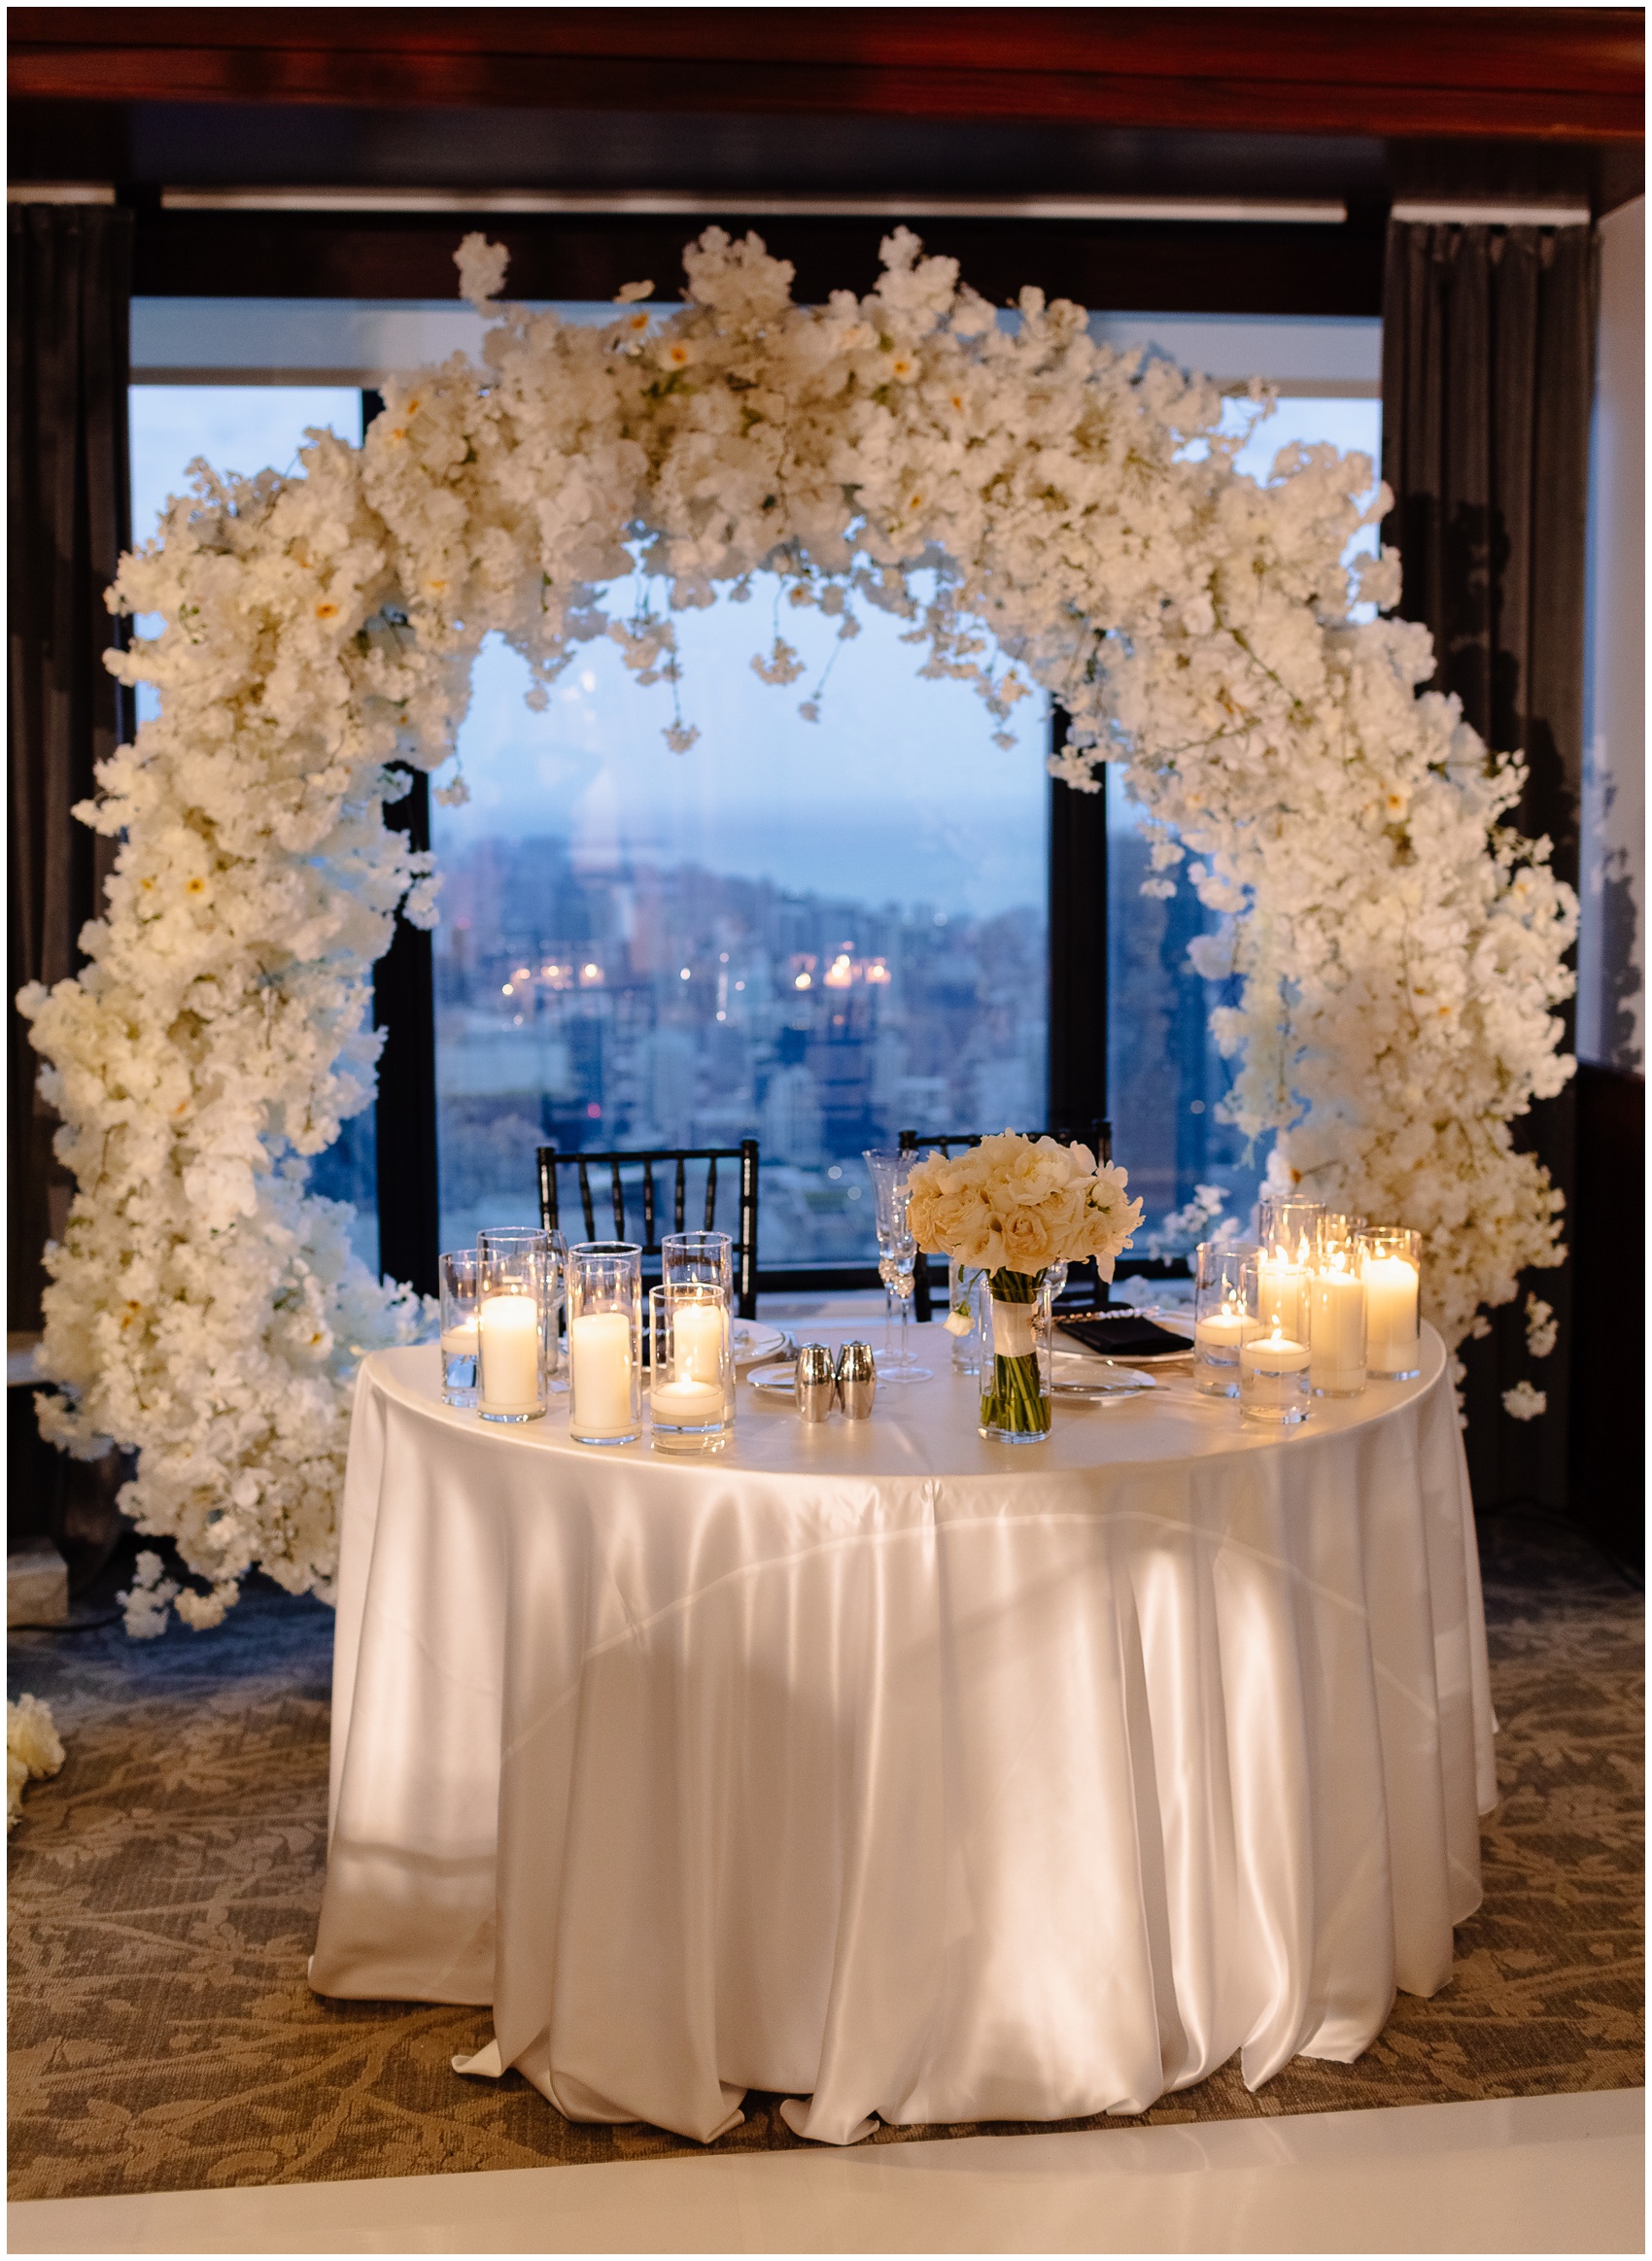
816,1382
857,1381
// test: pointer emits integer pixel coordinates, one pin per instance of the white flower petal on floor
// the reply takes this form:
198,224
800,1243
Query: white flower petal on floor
1400,951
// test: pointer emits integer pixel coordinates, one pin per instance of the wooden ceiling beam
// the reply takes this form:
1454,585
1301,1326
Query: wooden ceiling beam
1533,73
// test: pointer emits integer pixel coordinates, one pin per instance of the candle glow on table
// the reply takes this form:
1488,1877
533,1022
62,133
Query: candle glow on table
599,1346
1390,1316
508,1329
1336,1338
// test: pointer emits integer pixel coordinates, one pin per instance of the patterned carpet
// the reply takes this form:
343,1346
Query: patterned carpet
164,1890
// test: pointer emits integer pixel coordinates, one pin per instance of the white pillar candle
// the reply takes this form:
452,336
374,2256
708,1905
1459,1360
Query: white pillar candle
1390,1315
599,1344
509,1334
691,1404
1336,1339
698,1336
1279,1293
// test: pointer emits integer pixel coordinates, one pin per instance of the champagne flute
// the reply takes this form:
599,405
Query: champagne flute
897,1259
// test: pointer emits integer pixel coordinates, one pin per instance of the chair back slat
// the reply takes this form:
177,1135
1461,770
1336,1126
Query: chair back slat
744,1237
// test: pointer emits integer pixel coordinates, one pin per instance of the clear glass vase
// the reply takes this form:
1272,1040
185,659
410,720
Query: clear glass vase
1015,1398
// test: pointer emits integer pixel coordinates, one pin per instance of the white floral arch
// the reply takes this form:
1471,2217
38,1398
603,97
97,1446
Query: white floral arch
1400,950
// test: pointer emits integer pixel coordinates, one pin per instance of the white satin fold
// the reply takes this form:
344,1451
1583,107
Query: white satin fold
890,1773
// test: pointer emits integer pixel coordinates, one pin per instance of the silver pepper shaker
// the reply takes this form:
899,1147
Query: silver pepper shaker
857,1381
815,1383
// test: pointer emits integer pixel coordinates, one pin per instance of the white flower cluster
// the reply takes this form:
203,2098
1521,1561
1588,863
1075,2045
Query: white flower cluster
33,1750
1077,524
1015,1204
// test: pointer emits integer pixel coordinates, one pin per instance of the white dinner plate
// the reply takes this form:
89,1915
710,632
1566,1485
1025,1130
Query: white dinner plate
754,1342
779,1381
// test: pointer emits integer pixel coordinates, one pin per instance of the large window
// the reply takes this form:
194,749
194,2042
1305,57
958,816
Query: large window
813,932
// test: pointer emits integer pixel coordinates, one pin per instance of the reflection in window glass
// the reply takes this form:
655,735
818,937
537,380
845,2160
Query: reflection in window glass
1166,1080
251,428
815,933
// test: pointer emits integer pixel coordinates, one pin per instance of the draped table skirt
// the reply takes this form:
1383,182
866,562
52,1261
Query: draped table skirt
907,1773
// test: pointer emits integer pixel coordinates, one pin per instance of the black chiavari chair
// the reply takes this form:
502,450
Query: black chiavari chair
675,1160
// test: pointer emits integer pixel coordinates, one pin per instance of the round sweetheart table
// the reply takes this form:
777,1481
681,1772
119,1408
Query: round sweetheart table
905,1774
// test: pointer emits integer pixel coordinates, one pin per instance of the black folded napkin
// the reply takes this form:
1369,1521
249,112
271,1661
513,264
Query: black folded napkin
1125,1336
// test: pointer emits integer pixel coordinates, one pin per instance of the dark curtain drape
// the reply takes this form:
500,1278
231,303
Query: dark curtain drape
69,511
1488,383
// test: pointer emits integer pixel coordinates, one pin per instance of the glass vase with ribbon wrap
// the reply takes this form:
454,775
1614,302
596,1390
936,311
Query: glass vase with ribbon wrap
1015,1364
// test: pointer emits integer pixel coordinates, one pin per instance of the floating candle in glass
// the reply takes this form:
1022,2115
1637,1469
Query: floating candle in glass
1273,1379
460,1295
1221,1322
690,1369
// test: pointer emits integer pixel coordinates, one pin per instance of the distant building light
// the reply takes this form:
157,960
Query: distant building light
722,957
722,1017
516,1022
851,1193
685,974
840,973
940,918
740,985
506,990
593,1112
877,972
803,981
834,1171
590,976
523,974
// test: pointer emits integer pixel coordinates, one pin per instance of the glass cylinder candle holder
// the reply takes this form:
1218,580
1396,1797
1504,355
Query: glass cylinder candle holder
1337,1228
701,1260
1288,1230
556,1317
1222,1318
604,1342
460,1293
1391,1266
501,1241
510,1327
1336,1325
690,1370
1274,1383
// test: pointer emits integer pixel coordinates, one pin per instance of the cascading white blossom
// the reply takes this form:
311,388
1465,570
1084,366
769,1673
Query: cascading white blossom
1074,522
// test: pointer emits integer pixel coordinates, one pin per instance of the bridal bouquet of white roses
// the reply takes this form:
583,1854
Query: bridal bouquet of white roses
1010,1208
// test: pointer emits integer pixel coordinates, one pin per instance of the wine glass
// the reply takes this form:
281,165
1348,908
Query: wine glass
897,1257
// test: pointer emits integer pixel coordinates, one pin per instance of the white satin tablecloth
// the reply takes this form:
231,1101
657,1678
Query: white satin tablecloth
889,1769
